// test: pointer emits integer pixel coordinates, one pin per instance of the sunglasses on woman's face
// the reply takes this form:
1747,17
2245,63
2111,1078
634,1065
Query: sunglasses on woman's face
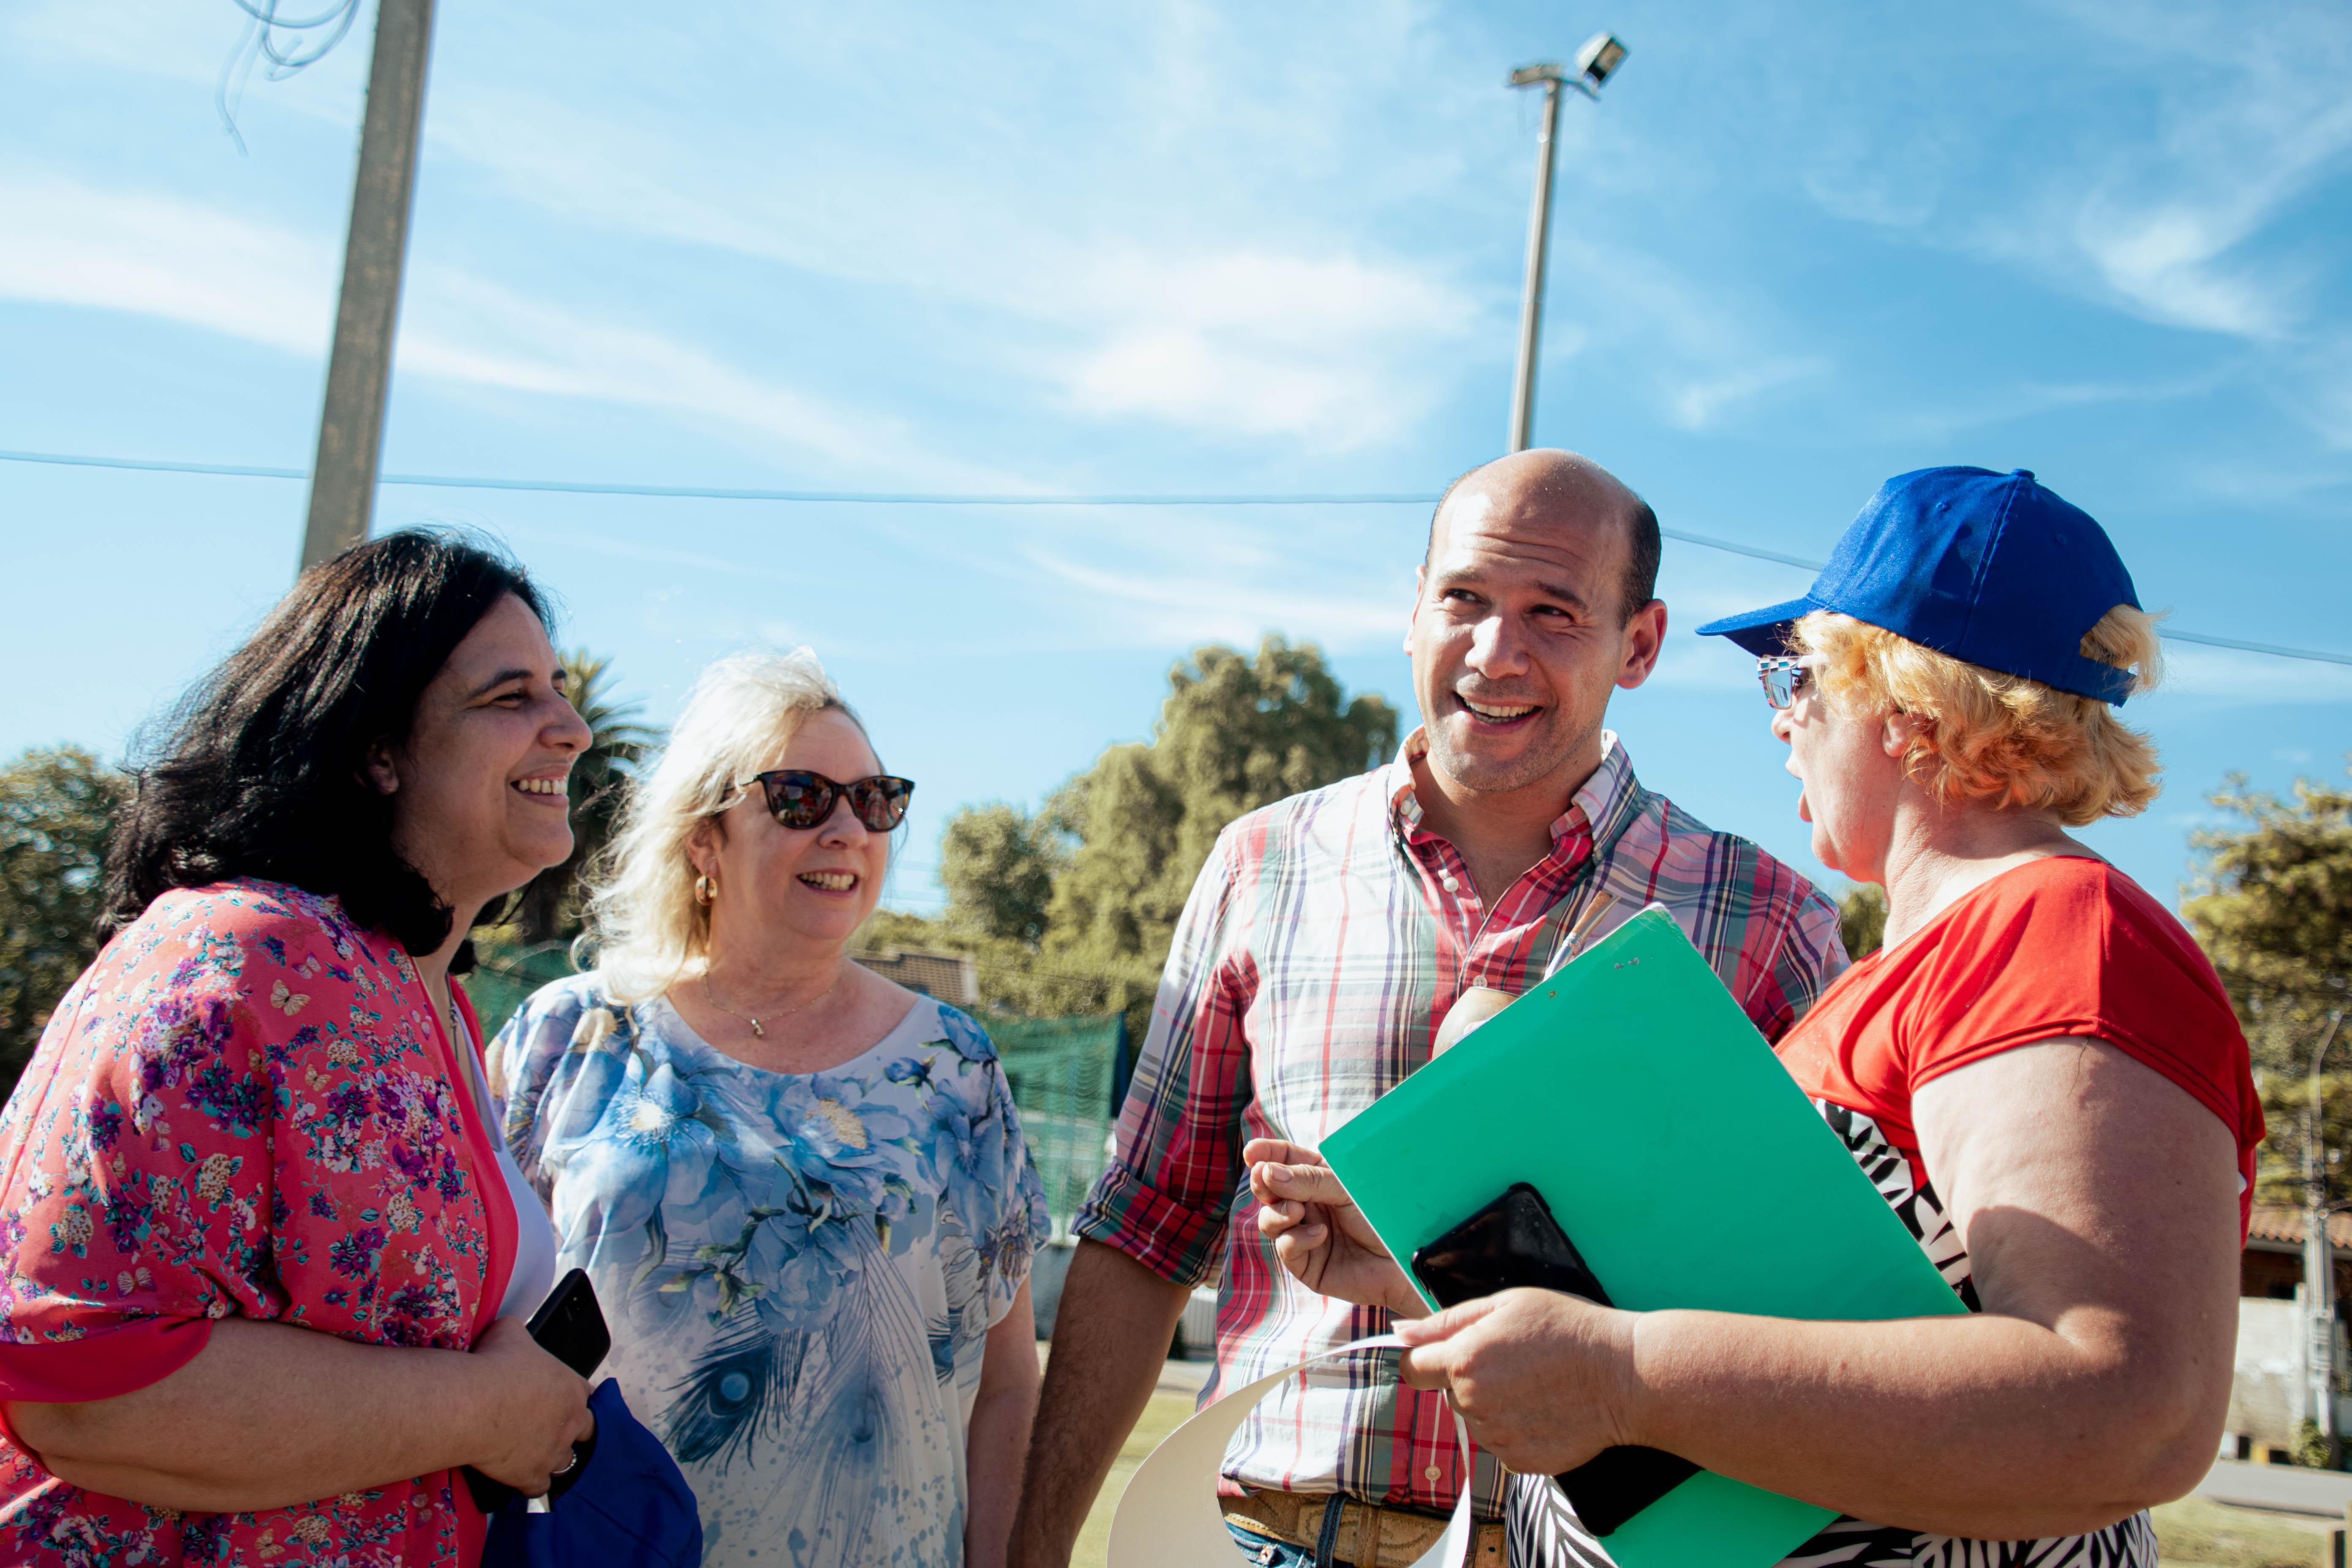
1785,679
799,798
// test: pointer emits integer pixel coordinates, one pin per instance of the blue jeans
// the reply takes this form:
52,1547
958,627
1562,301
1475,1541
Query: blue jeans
1268,1553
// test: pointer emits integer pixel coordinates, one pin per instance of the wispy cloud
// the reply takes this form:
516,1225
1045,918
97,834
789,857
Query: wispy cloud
2216,119
155,256
1696,404
1318,349
464,328
1139,607
74,244
1135,275
2204,673
2005,405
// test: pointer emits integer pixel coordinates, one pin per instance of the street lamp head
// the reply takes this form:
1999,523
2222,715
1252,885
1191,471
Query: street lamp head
1600,58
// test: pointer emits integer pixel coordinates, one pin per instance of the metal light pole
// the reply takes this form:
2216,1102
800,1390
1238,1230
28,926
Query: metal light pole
359,372
2319,1257
1599,57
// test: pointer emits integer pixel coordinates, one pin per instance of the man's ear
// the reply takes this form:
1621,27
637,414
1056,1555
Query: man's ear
1645,639
1420,586
378,769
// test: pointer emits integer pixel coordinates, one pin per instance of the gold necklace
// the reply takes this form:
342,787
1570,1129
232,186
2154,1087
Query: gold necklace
757,1032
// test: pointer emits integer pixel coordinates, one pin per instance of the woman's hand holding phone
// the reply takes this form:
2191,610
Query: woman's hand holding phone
537,1409
1319,1234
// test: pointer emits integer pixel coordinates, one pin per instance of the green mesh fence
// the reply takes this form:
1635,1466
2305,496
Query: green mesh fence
1063,1073
503,977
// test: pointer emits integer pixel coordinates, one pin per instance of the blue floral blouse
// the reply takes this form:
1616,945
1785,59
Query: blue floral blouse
800,1269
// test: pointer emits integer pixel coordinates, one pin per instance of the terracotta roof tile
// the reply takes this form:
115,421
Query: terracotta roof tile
950,977
2274,1221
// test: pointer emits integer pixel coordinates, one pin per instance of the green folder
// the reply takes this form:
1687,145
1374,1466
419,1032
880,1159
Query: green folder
1681,1159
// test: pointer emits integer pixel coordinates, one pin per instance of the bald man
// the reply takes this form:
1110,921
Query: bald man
1325,942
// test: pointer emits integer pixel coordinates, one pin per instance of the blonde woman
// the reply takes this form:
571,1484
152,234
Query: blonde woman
801,1190
2038,1070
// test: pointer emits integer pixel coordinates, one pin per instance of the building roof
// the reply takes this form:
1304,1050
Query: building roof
2277,1223
950,977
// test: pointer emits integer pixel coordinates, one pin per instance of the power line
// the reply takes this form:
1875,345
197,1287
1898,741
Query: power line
708,492
1009,499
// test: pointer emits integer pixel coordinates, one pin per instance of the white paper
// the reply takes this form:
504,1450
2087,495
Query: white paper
1171,1516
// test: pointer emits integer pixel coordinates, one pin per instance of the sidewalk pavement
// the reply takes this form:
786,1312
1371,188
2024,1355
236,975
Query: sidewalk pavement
2282,1489
1184,1377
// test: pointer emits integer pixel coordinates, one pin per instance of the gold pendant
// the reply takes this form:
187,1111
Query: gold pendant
756,1033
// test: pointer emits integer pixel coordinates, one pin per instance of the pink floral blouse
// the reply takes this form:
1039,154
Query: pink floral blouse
248,1106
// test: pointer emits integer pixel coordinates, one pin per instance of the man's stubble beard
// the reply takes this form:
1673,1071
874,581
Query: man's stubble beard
1544,756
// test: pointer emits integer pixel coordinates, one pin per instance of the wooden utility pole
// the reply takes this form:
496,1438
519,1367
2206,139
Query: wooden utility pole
359,372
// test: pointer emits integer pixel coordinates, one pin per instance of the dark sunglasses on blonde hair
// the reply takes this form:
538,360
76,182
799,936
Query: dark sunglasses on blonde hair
799,798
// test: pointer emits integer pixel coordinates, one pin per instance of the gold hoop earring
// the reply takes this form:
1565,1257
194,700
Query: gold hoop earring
706,891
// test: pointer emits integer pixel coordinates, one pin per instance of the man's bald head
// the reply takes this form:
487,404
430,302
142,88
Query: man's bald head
1548,480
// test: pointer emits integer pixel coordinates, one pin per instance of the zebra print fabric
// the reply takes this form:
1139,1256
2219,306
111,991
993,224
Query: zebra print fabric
1543,1531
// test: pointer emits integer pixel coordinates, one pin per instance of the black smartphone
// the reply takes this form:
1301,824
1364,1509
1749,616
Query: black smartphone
1514,1243
569,1326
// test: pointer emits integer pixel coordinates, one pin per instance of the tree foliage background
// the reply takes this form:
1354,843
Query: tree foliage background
550,906
57,808
1071,909
1861,919
2273,909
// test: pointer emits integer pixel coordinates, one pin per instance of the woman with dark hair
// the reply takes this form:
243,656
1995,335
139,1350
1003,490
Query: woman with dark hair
254,1212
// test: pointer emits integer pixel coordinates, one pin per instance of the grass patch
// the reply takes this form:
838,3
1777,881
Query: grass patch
1162,1415
2194,1533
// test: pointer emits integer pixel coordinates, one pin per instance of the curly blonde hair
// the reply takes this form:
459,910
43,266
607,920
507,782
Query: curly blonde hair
646,927
2015,742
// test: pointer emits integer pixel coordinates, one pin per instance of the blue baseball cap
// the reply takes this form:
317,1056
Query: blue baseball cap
1990,568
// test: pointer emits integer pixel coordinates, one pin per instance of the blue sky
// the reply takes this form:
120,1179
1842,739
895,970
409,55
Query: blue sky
1190,247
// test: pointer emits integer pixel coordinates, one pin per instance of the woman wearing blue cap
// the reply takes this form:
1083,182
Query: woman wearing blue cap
2039,1070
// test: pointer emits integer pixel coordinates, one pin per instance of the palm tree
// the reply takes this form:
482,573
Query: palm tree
551,906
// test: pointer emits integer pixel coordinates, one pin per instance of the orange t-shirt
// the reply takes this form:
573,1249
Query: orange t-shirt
2062,946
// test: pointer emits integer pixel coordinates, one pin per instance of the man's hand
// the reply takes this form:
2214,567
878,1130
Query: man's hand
1543,1379
1319,1233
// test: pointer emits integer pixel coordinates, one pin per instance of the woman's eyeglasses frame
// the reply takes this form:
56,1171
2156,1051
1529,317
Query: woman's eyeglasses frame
1783,679
879,801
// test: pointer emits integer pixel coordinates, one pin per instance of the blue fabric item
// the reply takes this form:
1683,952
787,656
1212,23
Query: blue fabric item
1990,568
631,1506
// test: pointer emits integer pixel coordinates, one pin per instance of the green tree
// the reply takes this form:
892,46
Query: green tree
1071,909
1861,919
2273,909
57,809
1235,733
549,909
999,864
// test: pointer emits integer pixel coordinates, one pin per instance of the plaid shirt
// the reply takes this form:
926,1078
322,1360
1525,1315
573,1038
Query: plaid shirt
1325,941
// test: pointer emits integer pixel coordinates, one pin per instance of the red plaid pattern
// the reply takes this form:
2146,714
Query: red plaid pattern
1320,949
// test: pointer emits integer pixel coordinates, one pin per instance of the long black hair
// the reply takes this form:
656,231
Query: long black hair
256,771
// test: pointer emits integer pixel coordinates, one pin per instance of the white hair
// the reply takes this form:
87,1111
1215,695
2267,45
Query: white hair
644,922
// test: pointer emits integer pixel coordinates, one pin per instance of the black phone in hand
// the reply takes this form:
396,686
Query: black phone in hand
569,1326
1515,1243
